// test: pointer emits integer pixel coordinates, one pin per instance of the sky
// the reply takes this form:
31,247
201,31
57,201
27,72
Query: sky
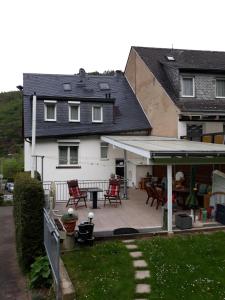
59,37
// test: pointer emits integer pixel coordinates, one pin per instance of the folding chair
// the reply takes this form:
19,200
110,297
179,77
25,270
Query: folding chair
76,195
113,192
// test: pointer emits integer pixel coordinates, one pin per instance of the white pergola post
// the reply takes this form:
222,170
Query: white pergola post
169,199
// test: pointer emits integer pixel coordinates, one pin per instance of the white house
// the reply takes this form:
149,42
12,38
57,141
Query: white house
72,112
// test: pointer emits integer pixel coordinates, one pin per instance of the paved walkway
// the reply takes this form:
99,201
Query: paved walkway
12,283
142,274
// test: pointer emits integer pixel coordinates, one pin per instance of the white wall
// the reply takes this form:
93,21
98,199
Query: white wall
182,129
211,127
92,166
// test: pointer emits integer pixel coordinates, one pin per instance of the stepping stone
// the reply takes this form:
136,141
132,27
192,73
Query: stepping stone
128,241
136,254
143,288
131,247
140,263
142,274
141,299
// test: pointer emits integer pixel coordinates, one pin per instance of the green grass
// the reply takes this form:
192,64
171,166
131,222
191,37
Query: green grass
190,267
182,267
101,272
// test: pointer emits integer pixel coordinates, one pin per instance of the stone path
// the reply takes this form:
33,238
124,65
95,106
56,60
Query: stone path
12,283
142,274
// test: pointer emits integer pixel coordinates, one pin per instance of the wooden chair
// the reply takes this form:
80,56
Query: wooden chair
154,193
113,192
76,195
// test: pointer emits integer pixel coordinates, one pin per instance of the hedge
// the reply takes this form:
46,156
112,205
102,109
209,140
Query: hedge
28,215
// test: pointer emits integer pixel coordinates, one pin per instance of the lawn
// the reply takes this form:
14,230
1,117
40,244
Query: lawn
182,267
102,272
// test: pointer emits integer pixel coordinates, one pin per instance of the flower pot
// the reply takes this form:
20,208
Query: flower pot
70,225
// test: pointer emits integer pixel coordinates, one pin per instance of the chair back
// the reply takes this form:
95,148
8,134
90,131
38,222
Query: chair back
114,187
74,190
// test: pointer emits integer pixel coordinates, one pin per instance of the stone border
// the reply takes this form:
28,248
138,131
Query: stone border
67,288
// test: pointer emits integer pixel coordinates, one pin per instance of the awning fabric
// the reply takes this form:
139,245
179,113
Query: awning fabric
164,150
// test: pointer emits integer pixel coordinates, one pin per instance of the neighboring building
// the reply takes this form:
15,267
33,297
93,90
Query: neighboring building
182,92
73,111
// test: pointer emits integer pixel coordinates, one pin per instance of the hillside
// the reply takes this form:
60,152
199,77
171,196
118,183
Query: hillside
10,123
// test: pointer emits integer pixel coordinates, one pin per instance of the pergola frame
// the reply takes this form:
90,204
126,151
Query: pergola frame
169,152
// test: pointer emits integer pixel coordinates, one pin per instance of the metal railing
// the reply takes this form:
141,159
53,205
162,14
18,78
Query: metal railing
52,247
62,193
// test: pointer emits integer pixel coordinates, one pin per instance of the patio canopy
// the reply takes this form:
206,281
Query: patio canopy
168,151
164,150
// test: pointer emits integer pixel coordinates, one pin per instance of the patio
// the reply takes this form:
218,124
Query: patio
133,213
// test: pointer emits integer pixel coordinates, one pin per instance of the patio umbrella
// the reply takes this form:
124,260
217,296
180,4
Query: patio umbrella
192,201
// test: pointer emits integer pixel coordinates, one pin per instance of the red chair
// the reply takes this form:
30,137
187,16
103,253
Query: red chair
76,195
113,192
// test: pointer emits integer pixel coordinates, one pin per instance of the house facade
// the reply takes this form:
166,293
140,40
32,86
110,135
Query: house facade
182,92
72,112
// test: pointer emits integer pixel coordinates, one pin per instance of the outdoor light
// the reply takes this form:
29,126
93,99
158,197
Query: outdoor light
90,216
70,211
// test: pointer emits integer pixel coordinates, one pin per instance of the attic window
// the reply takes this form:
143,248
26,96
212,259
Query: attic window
104,86
67,87
170,58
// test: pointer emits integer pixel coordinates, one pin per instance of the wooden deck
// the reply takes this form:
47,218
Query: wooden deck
133,213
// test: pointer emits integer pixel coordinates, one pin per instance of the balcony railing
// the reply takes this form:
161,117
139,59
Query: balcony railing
62,193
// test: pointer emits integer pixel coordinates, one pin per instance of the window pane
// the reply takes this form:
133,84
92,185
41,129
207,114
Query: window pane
97,114
194,132
73,155
63,151
74,112
104,150
220,88
187,87
50,111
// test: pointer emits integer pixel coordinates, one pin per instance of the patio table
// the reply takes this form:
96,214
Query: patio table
93,195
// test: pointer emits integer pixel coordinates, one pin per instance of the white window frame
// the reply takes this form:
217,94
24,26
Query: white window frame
46,102
68,145
104,145
182,86
74,103
219,97
97,121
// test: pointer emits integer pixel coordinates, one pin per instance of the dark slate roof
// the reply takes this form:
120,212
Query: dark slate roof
128,115
186,61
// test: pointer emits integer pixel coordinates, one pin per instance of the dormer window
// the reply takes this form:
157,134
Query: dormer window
74,111
220,88
50,110
187,86
97,115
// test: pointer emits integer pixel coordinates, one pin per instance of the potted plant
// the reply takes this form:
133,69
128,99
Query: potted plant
69,220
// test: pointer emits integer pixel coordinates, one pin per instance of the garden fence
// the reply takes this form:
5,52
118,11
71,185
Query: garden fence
52,247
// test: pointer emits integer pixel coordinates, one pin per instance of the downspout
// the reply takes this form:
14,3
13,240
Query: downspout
33,160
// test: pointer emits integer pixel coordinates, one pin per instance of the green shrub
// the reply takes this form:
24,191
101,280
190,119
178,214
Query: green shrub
28,215
40,274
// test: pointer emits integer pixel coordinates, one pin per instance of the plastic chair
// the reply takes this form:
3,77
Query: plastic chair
113,192
76,195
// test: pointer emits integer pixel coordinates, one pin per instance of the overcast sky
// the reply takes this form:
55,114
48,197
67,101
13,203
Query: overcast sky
52,36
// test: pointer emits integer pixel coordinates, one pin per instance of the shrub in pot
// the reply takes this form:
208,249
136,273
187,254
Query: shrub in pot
69,220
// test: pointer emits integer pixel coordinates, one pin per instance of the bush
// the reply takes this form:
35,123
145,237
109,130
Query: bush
40,275
28,215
